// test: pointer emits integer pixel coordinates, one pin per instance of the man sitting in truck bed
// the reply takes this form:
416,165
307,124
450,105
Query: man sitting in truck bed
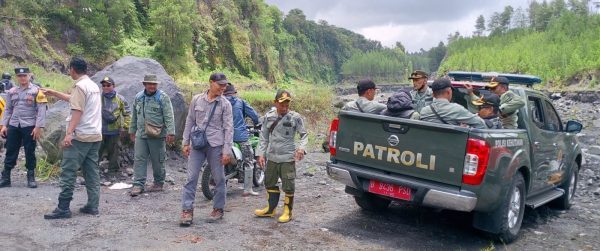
442,111
366,94
489,110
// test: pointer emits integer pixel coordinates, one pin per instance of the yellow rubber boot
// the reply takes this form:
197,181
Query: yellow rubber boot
272,200
287,209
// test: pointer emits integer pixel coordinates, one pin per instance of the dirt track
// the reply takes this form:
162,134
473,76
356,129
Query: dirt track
325,218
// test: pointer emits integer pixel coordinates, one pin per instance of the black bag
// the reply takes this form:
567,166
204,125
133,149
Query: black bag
198,137
108,116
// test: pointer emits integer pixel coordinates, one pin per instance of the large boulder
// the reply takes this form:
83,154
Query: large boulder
128,73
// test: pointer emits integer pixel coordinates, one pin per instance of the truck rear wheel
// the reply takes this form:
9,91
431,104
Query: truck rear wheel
372,203
512,210
570,186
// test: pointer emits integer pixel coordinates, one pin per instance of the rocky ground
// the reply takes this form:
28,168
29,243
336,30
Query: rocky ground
325,217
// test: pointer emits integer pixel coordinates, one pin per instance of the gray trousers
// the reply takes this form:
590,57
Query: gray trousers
196,160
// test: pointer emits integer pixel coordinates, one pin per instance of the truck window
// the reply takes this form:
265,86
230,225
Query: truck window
536,112
552,119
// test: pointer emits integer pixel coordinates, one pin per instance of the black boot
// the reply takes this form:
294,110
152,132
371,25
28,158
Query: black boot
61,212
31,179
5,180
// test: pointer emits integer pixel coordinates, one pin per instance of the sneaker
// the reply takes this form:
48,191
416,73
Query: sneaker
215,215
246,194
186,218
135,191
155,188
89,210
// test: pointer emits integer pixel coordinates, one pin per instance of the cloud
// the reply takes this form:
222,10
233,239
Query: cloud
416,24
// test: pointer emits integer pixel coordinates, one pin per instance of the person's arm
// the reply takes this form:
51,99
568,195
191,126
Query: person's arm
227,127
471,119
250,112
512,104
263,142
168,114
7,111
133,124
125,113
57,94
303,141
42,107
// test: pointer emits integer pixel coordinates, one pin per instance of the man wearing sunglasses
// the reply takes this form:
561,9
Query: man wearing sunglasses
510,103
115,123
365,103
489,110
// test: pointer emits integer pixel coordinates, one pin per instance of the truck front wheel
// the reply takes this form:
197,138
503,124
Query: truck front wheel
372,203
511,211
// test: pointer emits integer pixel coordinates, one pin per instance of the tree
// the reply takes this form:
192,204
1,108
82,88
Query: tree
399,46
479,26
494,24
505,18
453,37
519,19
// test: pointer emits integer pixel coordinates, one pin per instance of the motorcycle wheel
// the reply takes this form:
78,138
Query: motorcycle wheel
207,183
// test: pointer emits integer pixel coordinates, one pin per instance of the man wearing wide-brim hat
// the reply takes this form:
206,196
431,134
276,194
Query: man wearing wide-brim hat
152,127
421,94
510,103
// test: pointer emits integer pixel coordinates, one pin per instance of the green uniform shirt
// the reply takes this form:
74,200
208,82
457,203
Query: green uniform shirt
156,111
366,105
280,146
421,99
452,113
510,103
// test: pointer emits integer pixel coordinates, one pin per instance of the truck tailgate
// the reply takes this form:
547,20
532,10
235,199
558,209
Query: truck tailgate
400,146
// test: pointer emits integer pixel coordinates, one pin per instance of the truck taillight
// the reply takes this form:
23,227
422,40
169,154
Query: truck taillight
476,159
333,129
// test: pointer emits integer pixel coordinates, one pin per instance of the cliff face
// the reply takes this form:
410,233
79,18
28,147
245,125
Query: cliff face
19,45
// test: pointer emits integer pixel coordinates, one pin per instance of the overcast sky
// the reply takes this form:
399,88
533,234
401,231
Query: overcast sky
415,23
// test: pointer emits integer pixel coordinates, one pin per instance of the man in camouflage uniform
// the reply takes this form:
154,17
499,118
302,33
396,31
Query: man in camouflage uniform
366,94
277,144
489,110
442,111
115,123
152,123
23,122
421,93
510,103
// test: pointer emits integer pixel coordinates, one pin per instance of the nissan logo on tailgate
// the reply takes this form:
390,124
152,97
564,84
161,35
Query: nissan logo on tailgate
393,140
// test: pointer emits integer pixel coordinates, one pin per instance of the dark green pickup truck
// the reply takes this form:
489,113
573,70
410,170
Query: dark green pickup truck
493,173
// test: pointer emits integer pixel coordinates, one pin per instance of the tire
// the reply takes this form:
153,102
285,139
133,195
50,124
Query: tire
207,189
570,186
258,176
511,211
372,203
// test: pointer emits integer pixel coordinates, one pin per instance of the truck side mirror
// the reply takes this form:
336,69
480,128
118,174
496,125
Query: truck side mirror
573,126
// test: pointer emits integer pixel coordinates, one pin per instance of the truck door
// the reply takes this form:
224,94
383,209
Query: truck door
553,124
543,146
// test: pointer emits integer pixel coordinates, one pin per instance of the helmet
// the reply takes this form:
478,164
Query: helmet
6,75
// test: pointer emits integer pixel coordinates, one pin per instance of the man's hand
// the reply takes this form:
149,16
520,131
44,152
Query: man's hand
186,150
225,159
261,162
132,137
67,141
170,139
3,131
48,92
299,155
36,133
469,89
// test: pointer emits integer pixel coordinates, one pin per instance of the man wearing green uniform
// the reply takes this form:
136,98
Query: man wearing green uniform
115,123
81,143
365,103
277,144
442,111
421,93
151,122
510,103
488,107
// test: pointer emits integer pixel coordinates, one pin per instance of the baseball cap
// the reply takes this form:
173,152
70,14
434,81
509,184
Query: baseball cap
490,99
107,79
283,96
497,81
230,89
364,85
22,70
219,77
440,84
418,74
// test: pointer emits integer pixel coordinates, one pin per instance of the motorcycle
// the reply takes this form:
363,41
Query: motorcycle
235,167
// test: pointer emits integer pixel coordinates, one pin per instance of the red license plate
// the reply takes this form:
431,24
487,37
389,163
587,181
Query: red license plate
390,190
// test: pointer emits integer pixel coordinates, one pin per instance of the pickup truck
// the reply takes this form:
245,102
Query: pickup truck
492,173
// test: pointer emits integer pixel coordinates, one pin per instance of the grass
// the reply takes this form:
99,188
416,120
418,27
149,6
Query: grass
45,170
